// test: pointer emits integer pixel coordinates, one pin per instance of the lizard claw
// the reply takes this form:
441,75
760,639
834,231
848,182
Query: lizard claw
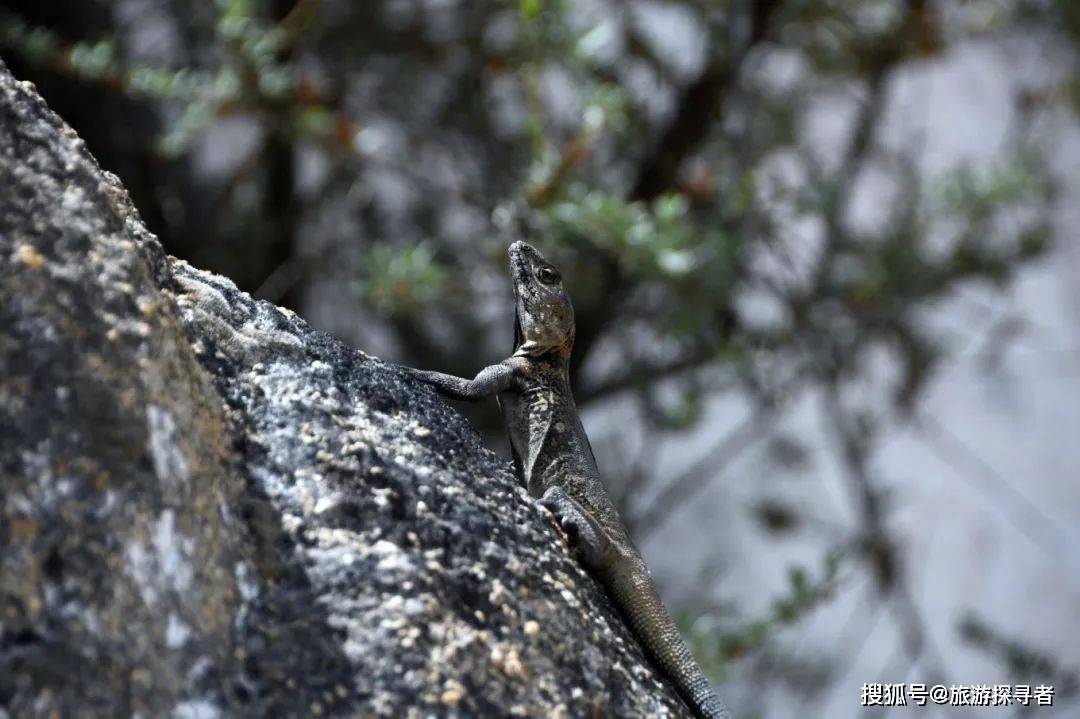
571,527
553,504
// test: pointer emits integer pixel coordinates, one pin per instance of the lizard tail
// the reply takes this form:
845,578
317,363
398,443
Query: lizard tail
704,700
638,599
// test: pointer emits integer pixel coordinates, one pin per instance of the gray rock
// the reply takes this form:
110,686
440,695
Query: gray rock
210,509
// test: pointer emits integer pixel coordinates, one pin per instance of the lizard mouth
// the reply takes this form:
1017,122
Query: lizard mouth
519,262
519,275
520,270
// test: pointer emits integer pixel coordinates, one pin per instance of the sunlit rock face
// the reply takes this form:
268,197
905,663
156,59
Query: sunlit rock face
209,509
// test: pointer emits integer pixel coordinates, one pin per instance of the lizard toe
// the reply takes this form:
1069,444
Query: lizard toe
563,518
570,526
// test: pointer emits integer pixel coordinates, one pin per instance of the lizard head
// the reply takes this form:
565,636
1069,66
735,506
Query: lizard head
544,317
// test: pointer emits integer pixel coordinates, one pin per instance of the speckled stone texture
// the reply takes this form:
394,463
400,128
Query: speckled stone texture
210,509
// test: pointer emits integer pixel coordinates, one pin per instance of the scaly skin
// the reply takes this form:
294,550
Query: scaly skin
556,463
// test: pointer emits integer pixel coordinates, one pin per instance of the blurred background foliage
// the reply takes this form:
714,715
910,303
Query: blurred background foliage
366,164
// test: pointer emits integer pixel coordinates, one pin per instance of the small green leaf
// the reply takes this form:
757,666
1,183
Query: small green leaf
531,9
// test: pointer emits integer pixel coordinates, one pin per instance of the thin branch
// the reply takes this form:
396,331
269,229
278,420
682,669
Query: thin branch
697,107
639,375
636,471
915,639
694,479
880,549
882,61
1026,516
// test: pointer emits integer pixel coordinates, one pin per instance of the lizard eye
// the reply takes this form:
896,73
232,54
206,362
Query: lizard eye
547,275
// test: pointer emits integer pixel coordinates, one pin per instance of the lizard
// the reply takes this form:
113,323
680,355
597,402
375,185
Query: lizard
555,462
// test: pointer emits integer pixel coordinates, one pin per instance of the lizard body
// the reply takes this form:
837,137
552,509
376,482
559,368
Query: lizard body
555,461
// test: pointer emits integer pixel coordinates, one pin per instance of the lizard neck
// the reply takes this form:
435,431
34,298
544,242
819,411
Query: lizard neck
551,371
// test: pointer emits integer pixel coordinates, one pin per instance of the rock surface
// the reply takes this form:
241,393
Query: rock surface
210,509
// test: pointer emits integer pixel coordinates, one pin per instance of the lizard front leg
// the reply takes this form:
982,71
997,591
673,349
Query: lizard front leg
489,381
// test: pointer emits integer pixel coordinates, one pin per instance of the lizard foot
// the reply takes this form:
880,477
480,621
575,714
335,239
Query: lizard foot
582,532
556,501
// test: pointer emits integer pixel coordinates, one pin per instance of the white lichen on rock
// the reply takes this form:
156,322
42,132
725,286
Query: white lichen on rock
170,465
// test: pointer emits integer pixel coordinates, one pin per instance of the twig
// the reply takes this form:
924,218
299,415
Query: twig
1026,516
698,105
694,479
